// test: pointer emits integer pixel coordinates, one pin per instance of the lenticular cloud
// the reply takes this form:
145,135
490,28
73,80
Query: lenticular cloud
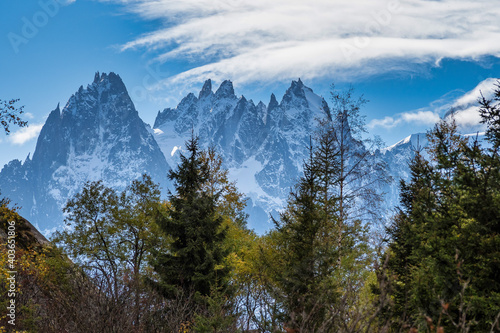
257,40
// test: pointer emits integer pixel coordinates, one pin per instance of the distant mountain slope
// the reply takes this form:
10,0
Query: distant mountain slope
98,135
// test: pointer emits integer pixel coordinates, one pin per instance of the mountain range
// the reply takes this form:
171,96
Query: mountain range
99,135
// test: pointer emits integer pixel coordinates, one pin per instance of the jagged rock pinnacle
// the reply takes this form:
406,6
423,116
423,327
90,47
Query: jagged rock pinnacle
206,90
225,90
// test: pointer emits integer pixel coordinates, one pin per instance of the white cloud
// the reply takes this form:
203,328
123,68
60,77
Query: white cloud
465,111
66,2
468,118
418,117
259,40
486,88
387,122
25,134
466,108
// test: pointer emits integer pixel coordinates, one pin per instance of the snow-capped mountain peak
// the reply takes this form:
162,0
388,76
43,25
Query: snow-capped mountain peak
268,142
413,142
97,136
225,90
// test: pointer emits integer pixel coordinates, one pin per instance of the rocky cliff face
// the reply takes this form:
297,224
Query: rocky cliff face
97,135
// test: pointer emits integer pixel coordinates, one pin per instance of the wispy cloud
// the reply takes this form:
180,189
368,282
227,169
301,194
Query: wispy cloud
464,109
25,134
260,40
486,88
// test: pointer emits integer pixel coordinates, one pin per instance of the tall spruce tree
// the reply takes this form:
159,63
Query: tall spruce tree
308,249
193,264
320,277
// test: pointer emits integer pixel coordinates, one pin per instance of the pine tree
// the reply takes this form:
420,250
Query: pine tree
193,263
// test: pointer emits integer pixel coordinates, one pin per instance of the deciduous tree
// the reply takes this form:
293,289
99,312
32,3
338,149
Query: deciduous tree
10,113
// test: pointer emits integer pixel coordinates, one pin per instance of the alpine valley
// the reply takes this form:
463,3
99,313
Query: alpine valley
99,135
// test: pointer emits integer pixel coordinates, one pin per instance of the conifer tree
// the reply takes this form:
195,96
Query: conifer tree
445,239
417,200
315,265
305,238
193,263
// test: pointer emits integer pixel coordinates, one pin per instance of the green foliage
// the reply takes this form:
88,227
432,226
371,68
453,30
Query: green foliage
135,221
218,316
112,237
180,247
325,256
309,253
111,233
195,258
89,236
319,255
445,242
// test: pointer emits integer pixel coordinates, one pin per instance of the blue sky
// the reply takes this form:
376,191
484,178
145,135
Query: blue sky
412,59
